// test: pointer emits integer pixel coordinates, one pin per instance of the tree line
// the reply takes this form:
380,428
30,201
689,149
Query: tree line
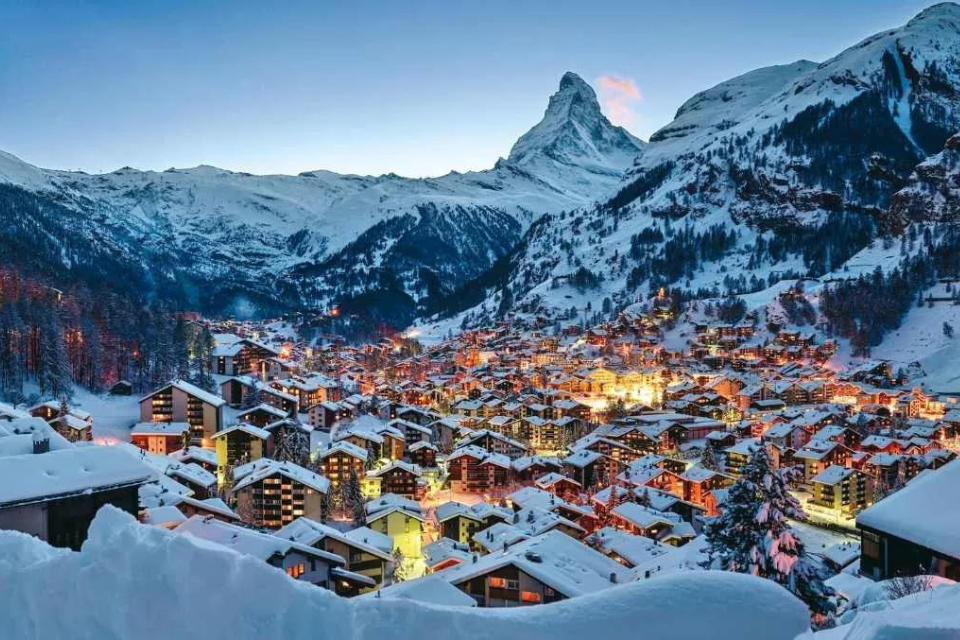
51,340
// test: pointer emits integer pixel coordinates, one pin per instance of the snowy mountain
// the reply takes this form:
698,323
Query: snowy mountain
782,172
933,191
222,240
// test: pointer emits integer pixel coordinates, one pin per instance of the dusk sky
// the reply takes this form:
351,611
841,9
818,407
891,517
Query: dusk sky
417,88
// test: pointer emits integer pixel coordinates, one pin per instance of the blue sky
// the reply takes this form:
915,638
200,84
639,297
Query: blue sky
417,88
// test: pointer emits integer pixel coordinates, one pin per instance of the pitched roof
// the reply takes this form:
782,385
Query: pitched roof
924,512
555,559
68,472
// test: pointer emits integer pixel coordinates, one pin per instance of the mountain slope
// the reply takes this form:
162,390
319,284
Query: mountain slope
781,172
249,242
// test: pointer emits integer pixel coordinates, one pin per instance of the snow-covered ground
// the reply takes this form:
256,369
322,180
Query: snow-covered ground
921,339
113,416
134,581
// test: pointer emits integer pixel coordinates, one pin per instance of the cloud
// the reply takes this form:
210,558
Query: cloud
619,96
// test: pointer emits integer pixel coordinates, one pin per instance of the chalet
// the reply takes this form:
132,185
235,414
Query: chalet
651,523
402,479
240,444
160,437
121,388
299,561
202,483
445,553
271,494
240,391
261,415
558,484
74,424
820,454
233,356
494,443
460,522
423,454
632,551
739,454
915,529
699,481
340,459
206,458
55,495
476,470
180,401
402,521
585,466
360,557
528,468
213,507
543,569
412,432
840,491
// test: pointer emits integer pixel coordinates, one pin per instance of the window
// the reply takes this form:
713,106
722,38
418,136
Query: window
297,570
497,583
530,596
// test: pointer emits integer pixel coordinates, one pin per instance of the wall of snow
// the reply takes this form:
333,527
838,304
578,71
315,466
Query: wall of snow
134,581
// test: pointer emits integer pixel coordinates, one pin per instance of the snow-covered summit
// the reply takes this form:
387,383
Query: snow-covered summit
321,237
575,132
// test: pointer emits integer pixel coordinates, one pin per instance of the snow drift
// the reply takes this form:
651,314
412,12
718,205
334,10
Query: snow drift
134,581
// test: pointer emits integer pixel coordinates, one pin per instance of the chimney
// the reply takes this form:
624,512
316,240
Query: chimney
613,577
41,443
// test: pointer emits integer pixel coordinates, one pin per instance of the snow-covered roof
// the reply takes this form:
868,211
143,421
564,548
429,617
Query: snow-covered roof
559,561
265,467
368,536
430,589
159,428
246,427
68,472
923,512
309,532
247,541
190,389
637,550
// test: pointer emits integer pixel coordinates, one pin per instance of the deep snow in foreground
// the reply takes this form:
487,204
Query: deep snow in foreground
134,581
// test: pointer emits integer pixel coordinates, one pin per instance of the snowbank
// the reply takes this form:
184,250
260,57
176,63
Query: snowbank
135,581
930,615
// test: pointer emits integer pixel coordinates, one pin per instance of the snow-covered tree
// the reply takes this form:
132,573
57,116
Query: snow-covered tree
54,372
252,396
399,566
754,536
709,459
644,498
353,502
291,444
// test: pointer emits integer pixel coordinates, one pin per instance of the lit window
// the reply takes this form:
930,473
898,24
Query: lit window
295,571
497,583
530,596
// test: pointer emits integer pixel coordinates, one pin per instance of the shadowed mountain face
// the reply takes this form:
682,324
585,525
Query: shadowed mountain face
782,172
232,242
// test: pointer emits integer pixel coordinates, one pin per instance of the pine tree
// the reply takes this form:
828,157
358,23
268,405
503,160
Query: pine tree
352,500
644,499
54,373
292,444
753,535
399,566
709,459
252,396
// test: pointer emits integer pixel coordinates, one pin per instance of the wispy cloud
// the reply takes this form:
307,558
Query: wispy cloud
620,97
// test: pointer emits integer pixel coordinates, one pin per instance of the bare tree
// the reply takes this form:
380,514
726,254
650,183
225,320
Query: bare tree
902,586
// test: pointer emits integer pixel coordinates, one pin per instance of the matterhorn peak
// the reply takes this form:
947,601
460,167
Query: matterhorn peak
574,131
